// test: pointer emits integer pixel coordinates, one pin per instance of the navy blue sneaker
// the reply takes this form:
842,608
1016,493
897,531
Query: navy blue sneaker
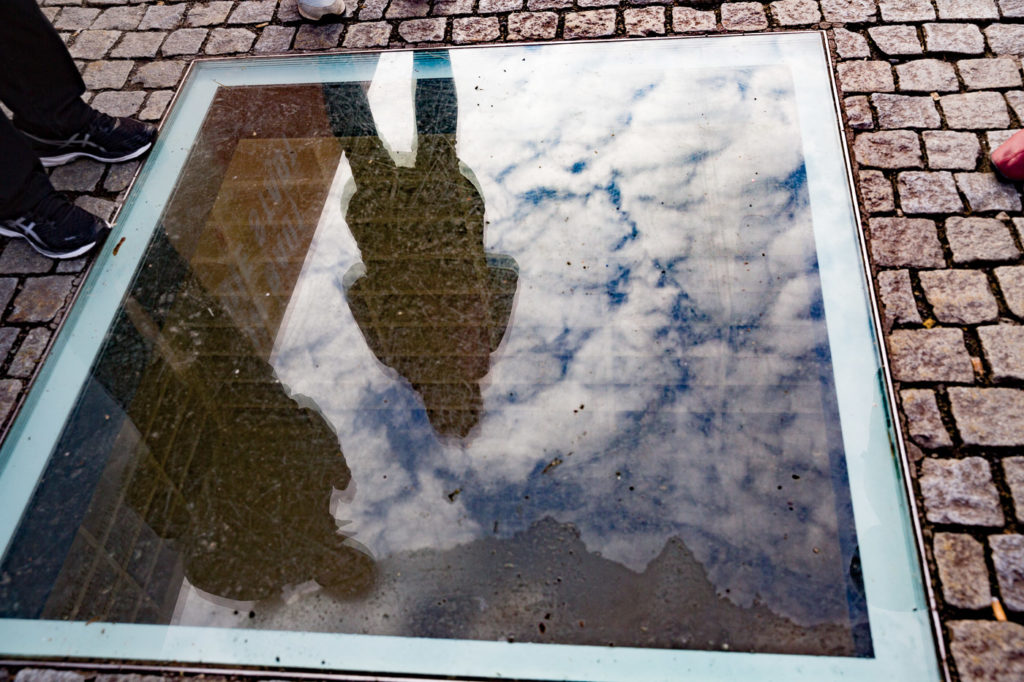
56,228
106,139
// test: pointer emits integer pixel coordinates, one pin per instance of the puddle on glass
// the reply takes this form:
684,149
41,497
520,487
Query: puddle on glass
543,360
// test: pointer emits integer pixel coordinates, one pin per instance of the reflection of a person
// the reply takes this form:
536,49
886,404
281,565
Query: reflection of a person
229,466
430,302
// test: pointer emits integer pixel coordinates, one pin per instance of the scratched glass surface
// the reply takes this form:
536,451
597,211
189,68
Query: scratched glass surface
515,350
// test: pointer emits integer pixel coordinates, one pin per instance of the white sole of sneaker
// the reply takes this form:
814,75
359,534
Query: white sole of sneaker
51,161
316,13
46,252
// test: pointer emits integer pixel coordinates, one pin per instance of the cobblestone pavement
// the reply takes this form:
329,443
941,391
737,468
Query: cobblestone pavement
929,88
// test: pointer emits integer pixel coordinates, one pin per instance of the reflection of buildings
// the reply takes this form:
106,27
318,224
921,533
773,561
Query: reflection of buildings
430,303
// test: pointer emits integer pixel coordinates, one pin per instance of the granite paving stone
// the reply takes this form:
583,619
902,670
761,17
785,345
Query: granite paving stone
9,391
119,175
960,491
1006,38
906,10
967,9
980,74
156,105
123,18
876,192
41,298
98,207
76,18
229,40
117,103
142,44
372,34
975,110
1013,473
795,12
951,150
896,40
43,675
994,138
903,111
889,149
849,11
29,353
1011,283
253,12
897,297
548,4
288,10
78,176
475,29
7,287
645,21
927,75
274,39
987,651
959,296
688,20
408,9
1003,346
1018,226
451,7
591,24
184,41
938,354
743,16
19,258
872,76
1012,8
989,416
586,4
93,44
927,192
8,335
326,36
532,25
163,17
905,242
858,112
923,419
428,30
979,239
985,192
208,13
164,73
956,38
1008,560
492,6
962,571
850,45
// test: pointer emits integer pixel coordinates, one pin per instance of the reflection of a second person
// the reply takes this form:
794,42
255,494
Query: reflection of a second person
430,302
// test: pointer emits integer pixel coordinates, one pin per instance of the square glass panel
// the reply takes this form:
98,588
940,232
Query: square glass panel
542,362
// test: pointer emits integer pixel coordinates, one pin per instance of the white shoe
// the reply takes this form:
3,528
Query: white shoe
316,9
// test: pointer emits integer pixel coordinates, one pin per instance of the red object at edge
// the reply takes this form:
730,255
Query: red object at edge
1009,157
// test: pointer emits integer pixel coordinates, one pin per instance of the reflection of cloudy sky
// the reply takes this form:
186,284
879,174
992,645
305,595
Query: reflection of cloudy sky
667,285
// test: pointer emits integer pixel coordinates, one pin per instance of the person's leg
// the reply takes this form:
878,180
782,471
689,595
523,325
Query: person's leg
39,81
17,193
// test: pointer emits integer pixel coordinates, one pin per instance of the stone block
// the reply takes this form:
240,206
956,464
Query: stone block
76,18
8,335
876,192
687,20
375,34
78,176
743,16
229,40
981,74
424,30
930,355
850,45
31,350
889,149
962,570
923,419
47,675
1006,38
951,150
156,105
7,287
1008,560
985,192
141,44
167,72
119,176
274,39
1013,473
987,651
450,7
253,12
1011,283
849,11
408,9
208,13
858,112
475,30
967,9
795,12
93,44
1012,8
288,10
896,40
532,25
162,17
906,10
928,192
591,24
905,242
645,21
10,389
123,18
975,110
491,6
897,296
41,298
927,75
184,41
98,207
989,416
960,491
959,296
997,137
19,258
866,77
1004,349
956,38
980,239
117,103
324,36
901,111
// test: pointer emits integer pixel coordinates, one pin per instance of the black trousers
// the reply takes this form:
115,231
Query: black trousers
40,84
